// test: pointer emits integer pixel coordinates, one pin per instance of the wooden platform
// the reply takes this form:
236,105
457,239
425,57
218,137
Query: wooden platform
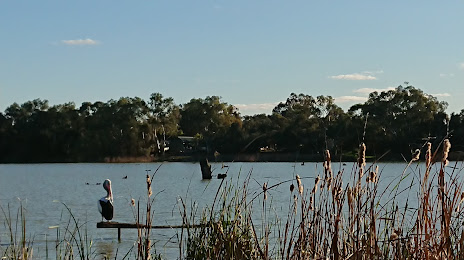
119,225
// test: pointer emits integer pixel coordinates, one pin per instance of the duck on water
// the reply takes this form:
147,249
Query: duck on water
105,204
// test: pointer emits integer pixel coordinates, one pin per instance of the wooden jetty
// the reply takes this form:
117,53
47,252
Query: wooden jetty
120,225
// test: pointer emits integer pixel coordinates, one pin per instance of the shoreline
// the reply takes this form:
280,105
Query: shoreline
251,157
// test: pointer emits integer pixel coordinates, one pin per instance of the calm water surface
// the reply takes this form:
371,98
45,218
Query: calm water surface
44,189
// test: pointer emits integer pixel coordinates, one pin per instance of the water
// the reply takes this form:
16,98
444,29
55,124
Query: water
45,189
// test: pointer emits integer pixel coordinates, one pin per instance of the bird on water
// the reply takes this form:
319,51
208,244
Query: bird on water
105,204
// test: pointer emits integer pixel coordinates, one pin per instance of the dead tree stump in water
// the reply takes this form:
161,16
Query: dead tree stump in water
205,169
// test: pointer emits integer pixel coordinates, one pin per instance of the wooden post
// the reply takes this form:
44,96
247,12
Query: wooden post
119,234
205,169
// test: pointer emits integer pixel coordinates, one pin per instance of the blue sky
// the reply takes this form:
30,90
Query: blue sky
251,53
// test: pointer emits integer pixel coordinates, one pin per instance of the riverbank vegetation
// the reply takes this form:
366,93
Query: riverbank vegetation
301,128
327,217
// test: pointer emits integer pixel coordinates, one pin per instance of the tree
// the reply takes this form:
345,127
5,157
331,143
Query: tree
399,119
308,120
456,129
209,118
163,119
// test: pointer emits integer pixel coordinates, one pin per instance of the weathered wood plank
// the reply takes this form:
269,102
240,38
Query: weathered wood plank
133,225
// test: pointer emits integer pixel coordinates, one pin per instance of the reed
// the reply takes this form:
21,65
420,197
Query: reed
19,245
145,249
336,220
72,239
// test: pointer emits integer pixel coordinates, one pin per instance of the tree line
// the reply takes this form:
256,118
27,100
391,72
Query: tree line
391,124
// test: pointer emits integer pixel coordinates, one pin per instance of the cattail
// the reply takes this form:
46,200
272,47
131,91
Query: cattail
327,155
349,192
327,170
362,155
292,187
132,202
315,184
295,203
327,161
394,235
337,193
264,190
446,149
300,186
311,202
415,155
372,176
428,155
149,185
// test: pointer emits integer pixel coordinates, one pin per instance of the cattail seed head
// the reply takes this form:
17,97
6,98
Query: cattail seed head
327,156
362,155
149,186
265,190
316,182
372,176
446,149
132,202
292,187
428,155
415,155
349,192
300,186
295,203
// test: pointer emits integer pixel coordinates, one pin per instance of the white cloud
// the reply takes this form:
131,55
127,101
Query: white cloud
372,72
80,42
354,76
446,75
441,95
370,90
263,106
461,65
345,99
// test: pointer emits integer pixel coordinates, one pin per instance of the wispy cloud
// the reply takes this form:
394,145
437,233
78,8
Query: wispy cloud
461,65
346,99
354,76
256,108
441,95
369,72
81,42
446,75
370,90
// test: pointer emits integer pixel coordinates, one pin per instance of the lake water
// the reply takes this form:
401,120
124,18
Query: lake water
45,189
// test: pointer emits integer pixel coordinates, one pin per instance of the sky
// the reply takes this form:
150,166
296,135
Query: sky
252,53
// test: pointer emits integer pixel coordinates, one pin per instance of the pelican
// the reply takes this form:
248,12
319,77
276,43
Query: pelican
105,204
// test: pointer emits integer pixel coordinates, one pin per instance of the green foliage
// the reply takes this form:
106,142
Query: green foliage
397,120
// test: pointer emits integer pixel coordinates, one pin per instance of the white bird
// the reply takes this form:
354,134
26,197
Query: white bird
105,204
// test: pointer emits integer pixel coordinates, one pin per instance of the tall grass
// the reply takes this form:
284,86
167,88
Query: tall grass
145,249
336,220
19,246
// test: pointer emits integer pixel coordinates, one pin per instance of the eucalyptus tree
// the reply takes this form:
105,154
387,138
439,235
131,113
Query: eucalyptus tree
113,129
208,118
307,121
163,120
29,132
400,119
456,130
